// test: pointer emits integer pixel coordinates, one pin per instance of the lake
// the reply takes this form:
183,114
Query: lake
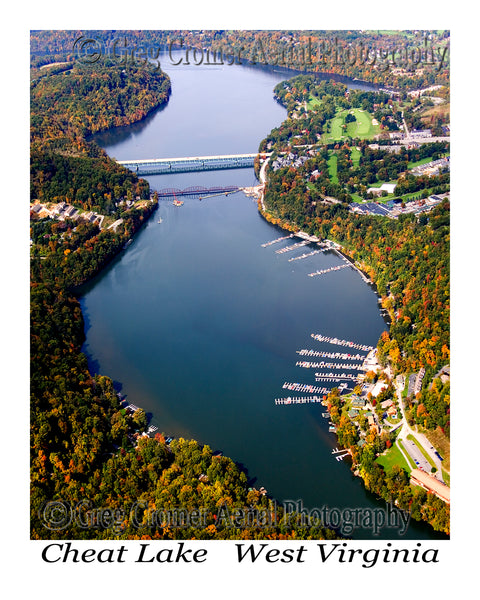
200,325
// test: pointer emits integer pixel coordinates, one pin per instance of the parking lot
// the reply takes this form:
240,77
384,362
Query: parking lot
414,452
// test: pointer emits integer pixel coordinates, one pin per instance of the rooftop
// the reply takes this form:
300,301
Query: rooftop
431,483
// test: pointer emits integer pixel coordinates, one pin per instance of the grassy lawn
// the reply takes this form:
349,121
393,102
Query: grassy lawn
332,167
393,457
417,163
424,161
312,102
336,131
355,156
398,32
357,198
415,195
362,128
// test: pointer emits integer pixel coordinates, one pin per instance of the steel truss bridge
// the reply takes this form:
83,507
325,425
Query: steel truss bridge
196,191
163,166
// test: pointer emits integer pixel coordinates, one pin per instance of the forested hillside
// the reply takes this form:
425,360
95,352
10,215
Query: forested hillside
402,59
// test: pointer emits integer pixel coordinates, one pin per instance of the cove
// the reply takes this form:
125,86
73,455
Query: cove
199,324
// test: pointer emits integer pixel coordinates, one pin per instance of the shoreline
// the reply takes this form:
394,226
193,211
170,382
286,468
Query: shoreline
260,193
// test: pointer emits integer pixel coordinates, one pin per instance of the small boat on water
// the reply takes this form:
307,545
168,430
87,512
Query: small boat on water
160,220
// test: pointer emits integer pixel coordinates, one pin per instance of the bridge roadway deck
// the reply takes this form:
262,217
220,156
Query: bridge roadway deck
158,166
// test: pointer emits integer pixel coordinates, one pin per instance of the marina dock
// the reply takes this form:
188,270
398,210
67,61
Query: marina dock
299,400
292,247
328,365
334,376
340,454
341,380
340,355
323,271
280,239
305,387
330,340
305,255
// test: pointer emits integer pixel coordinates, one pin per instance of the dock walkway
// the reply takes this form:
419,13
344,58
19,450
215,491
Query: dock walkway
328,365
340,355
280,239
292,247
330,340
299,400
305,387
330,270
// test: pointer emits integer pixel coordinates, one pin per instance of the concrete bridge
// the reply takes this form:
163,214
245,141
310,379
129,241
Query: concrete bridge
162,166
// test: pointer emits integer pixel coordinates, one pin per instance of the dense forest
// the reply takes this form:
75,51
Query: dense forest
407,59
67,107
88,99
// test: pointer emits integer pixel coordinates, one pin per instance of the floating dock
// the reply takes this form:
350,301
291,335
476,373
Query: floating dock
290,248
299,400
327,365
340,355
305,255
305,387
330,340
280,239
330,270
334,376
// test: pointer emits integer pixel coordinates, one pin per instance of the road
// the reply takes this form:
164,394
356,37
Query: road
405,125
410,446
263,180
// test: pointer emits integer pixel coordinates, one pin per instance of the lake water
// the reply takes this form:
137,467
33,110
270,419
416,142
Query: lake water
199,324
